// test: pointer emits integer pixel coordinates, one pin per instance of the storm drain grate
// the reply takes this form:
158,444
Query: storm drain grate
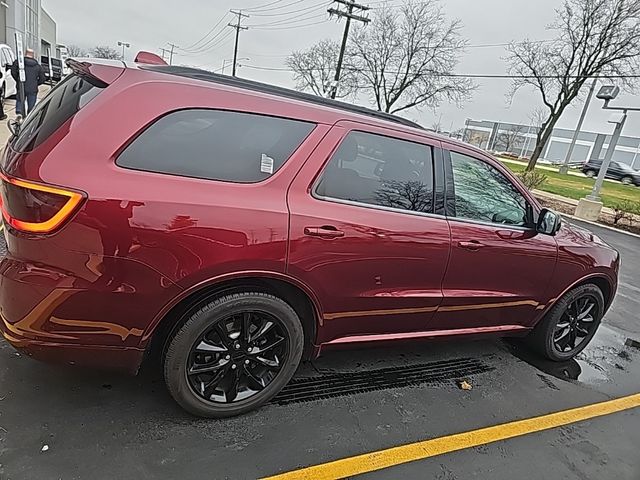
337,384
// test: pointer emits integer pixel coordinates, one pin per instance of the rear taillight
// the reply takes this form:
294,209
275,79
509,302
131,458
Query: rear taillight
36,208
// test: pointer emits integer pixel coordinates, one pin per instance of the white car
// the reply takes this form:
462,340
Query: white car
7,83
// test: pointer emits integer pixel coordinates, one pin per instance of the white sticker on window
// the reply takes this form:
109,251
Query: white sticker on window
266,164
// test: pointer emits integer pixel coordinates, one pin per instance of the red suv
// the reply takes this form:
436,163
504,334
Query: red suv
235,227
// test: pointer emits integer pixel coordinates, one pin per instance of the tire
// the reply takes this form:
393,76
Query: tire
543,338
627,180
590,173
227,390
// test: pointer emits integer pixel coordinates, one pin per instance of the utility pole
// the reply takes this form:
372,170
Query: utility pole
565,166
171,52
164,51
351,6
238,27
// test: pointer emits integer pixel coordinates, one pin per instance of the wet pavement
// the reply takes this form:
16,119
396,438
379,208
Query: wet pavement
102,426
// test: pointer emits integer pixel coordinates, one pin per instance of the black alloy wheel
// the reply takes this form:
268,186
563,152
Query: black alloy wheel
576,324
238,357
233,354
568,327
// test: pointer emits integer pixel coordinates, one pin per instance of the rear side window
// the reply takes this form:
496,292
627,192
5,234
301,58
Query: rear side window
383,171
63,102
216,145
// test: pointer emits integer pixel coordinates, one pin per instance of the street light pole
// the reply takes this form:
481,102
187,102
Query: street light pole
595,193
123,45
589,207
564,168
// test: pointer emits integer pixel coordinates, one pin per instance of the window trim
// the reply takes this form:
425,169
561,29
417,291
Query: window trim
353,203
136,135
450,196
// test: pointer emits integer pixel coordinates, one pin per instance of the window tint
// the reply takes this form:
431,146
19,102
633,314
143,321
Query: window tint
216,145
483,193
382,171
64,101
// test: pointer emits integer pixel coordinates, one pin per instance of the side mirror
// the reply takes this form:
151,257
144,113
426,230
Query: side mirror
549,222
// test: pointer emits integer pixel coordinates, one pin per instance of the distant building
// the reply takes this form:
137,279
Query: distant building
29,18
48,34
521,139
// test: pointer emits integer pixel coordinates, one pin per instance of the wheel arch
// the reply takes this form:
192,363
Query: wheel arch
602,281
296,294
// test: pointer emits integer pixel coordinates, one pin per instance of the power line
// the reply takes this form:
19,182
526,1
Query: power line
454,75
223,40
292,26
349,15
291,12
237,26
212,43
261,9
289,21
195,44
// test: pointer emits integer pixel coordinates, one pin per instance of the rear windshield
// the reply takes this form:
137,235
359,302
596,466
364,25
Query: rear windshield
63,102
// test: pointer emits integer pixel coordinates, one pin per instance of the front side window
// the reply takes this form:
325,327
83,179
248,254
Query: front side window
484,194
216,145
377,170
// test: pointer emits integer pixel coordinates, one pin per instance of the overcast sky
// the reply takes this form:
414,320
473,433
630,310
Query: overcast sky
150,25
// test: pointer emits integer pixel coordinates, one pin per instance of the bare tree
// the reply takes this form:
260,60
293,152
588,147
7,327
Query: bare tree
507,139
404,58
314,70
537,116
106,52
75,51
593,37
409,195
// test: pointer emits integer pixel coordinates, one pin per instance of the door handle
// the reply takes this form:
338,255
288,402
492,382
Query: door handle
472,245
326,231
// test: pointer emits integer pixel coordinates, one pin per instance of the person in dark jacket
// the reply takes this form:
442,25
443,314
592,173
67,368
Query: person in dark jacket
34,74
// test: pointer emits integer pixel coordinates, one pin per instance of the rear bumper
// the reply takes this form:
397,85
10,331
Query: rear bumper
92,311
126,360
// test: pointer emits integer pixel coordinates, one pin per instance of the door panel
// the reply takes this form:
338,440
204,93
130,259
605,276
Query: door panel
499,268
374,269
500,281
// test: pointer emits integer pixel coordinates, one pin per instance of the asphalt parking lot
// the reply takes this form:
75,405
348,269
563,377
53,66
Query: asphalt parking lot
102,426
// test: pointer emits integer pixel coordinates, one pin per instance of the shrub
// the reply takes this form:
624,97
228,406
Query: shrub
533,180
625,209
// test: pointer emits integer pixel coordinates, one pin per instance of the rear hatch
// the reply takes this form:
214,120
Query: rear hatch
28,203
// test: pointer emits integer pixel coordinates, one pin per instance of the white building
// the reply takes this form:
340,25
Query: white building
28,17
521,139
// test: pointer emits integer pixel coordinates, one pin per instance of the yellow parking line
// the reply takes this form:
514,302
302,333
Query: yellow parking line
390,457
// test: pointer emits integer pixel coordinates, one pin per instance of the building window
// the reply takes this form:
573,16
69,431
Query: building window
31,24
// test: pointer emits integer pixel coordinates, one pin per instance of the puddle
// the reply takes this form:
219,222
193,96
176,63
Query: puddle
604,358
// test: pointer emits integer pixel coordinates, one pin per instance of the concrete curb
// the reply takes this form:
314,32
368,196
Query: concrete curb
607,227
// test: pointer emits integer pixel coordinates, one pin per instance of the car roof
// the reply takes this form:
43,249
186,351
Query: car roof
285,93
342,111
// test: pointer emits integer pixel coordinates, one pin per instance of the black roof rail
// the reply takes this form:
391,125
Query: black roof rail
207,76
